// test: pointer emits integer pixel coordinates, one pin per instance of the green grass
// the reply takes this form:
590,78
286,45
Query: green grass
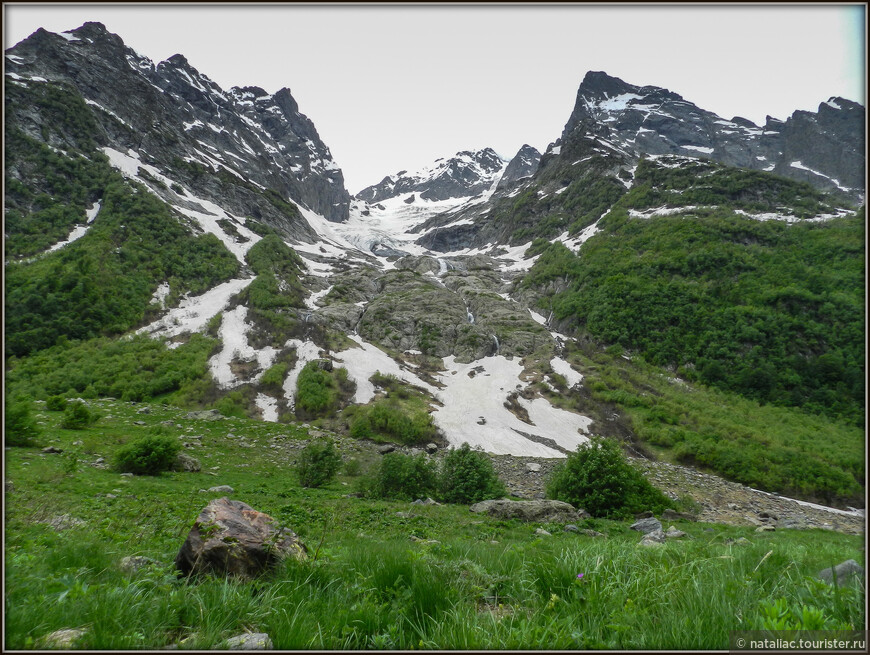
479,583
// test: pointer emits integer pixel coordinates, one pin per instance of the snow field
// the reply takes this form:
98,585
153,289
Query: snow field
233,334
306,351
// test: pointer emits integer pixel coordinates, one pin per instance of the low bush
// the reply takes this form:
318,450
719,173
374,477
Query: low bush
598,478
467,477
77,416
401,477
56,403
317,464
20,424
149,455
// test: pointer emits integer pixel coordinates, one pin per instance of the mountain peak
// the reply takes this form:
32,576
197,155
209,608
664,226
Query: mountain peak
599,83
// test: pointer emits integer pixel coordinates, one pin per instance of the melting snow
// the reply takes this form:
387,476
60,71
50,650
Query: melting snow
311,301
233,332
473,411
160,294
192,314
268,407
564,369
361,363
706,151
80,230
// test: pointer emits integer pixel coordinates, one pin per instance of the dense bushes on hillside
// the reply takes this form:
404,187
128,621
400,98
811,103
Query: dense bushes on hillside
102,284
320,391
772,311
318,463
148,455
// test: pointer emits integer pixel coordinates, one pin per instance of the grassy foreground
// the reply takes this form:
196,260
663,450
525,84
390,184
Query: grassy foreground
470,582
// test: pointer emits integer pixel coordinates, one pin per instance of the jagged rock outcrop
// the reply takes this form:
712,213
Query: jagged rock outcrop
466,174
524,164
539,511
169,113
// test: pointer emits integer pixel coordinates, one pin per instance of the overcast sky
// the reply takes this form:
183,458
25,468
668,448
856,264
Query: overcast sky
393,88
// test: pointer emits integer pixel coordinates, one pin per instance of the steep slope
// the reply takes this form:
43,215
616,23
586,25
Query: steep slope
170,114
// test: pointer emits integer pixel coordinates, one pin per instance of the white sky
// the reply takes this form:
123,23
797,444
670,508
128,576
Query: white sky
393,88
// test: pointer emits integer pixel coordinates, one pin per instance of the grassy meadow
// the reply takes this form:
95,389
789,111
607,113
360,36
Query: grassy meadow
464,581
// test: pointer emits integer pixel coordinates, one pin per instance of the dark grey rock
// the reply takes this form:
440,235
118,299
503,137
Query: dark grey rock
540,511
647,525
843,572
386,448
653,538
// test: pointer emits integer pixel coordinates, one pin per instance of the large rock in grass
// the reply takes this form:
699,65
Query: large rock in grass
538,511
231,538
842,573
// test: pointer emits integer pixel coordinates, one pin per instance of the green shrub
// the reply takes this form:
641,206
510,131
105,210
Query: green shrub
401,477
315,390
467,476
149,455
56,403
318,463
77,416
20,424
598,478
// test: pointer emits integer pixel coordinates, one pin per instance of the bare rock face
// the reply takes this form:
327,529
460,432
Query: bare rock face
540,511
231,538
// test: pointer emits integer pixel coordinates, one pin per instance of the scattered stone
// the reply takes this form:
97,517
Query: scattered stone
205,415
789,524
403,515
673,533
767,515
653,538
51,450
481,421
571,528
592,533
133,563
643,515
843,572
110,496
126,475
533,467
543,533
250,641
184,462
765,528
733,506
417,539
428,501
230,537
64,522
647,525
221,489
144,410
78,443
386,448
139,423
62,638
431,448
538,511
100,460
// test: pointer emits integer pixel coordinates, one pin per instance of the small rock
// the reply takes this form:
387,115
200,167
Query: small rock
184,462
592,533
111,496
533,467
542,533
571,528
767,515
742,541
647,525
8,486
765,528
643,515
843,572
51,450
144,410
139,423
734,506
62,638
126,475
653,538
221,489
671,515
78,443
403,515
64,522
673,533
100,460
205,415
250,641
431,448
132,563
481,421
386,448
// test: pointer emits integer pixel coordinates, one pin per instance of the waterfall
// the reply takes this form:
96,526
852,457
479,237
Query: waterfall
469,315
495,341
549,318
442,267
307,317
